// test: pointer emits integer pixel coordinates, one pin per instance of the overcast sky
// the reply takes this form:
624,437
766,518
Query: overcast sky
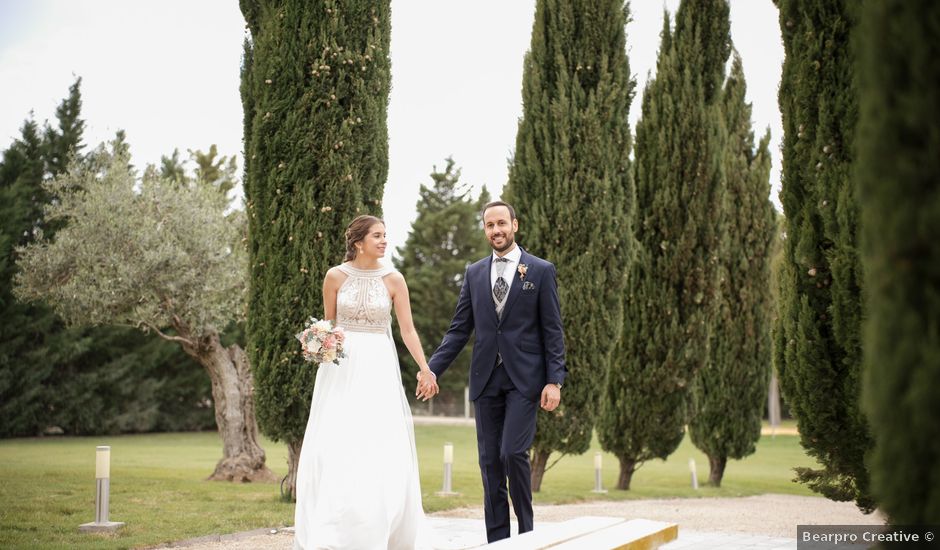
167,72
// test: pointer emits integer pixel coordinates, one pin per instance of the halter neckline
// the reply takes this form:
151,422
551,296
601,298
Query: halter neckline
352,270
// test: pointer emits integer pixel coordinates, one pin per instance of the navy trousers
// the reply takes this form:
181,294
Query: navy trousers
505,422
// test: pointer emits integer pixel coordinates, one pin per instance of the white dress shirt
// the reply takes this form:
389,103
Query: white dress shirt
509,274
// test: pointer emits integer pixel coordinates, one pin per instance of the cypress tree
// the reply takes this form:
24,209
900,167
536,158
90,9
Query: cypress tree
315,85
571,185
172,167
444,238
66,141
671,303
213,170
818,350
39,355
728,395
23,366
899,189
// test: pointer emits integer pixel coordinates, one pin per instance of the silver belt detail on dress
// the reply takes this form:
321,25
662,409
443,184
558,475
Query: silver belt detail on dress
361,328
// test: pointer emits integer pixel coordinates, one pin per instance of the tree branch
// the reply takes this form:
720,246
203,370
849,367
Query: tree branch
549,467
168,337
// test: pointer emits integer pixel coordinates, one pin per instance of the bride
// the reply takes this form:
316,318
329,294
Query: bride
357,479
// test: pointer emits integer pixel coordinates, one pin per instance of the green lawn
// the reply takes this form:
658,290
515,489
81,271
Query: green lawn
158,485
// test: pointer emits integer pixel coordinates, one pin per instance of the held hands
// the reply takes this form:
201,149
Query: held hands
427,385
551,397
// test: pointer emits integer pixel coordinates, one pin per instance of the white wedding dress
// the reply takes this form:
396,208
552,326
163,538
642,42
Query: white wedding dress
357,479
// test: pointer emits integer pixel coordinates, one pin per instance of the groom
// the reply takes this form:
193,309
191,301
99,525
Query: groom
510,300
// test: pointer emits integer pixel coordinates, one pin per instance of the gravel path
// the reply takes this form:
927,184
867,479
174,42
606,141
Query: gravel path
770,515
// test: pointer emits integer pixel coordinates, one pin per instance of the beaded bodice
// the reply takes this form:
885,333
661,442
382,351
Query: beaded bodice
363,303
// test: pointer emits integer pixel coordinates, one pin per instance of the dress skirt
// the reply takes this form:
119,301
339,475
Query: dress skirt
357,480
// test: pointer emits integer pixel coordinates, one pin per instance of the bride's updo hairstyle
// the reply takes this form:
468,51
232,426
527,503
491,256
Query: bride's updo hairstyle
356,231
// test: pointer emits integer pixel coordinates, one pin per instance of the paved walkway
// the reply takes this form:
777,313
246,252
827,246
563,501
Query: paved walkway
466,534
764,522
699,540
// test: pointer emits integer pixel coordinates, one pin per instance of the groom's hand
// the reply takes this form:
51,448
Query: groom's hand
551,397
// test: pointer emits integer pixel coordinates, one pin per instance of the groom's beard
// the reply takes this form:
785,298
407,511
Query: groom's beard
507,244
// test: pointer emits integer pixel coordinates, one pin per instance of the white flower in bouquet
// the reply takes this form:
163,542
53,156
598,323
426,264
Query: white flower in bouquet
320,342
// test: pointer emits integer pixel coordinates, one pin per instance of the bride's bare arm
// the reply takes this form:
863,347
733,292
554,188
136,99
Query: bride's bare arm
398,289
331,283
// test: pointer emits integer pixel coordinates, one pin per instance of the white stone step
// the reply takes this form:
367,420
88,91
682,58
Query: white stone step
635,534
551,534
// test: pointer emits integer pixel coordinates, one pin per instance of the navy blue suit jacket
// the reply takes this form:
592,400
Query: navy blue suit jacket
530,337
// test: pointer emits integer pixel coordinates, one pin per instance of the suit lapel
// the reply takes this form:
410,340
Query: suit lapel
515,289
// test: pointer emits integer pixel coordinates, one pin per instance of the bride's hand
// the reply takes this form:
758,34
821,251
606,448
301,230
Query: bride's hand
427,385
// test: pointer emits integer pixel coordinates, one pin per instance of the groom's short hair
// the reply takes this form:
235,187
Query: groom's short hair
512,211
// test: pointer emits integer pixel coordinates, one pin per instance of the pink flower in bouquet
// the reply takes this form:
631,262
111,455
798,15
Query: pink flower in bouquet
321,342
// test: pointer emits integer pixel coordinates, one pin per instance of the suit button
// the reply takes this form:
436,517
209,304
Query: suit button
499,332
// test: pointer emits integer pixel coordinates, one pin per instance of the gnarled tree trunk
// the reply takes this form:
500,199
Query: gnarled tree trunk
539,460
293,461
243,458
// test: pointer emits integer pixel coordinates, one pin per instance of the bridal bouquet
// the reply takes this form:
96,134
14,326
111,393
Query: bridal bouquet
321,342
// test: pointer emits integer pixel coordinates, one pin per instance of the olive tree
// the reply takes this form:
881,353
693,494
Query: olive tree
161,255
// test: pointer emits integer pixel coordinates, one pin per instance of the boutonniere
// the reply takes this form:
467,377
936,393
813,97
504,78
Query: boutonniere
522,270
